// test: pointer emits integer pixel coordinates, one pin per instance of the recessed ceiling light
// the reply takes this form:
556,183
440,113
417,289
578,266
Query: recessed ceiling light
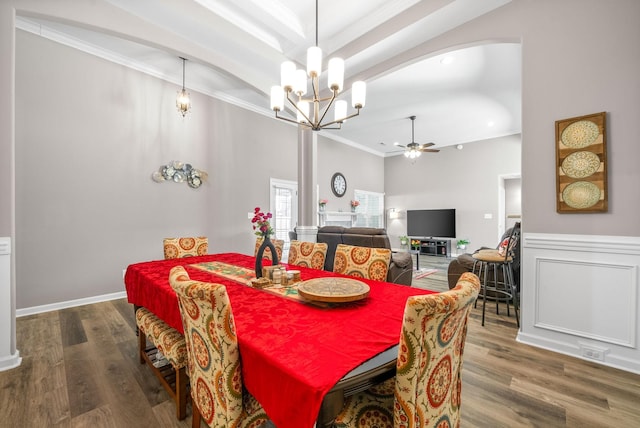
447,60
459,147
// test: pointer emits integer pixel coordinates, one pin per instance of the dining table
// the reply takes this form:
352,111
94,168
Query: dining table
299,356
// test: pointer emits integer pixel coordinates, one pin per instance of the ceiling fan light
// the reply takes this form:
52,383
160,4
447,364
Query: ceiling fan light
287,75
277,98
358,94
336,74
340,111
314,61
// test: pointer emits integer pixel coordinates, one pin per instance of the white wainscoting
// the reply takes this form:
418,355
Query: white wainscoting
9,356
580,296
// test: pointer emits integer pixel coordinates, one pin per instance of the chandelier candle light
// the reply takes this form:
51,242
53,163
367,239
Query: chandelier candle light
294,81
183,103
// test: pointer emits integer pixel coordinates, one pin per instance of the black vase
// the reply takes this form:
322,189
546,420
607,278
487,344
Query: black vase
266,243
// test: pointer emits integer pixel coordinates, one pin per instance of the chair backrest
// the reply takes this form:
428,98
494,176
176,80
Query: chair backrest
175,248
362,262
212,349
307,254
508,246
428,382
278,243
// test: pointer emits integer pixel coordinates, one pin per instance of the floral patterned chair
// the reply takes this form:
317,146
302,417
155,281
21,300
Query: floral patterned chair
307,254
427,387
168,343
175,248
362,262
214,366
278,243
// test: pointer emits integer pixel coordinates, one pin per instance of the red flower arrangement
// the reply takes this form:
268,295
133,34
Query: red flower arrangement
355,203
261,223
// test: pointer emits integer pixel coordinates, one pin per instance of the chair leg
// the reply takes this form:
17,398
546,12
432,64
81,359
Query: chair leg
142,346
181,393
195,419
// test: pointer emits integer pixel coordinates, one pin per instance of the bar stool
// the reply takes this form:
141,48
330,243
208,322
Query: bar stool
487,262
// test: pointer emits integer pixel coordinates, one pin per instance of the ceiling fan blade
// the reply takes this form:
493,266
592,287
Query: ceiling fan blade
423,146
424,150
399,145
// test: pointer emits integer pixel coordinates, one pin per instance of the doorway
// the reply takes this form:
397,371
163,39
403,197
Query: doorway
284,207
510,200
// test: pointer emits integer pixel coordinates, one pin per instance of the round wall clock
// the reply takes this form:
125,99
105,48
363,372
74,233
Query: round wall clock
338,184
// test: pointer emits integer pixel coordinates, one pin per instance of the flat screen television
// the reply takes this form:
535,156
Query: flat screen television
431,223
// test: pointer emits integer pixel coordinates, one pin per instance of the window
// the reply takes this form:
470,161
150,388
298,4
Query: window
371,209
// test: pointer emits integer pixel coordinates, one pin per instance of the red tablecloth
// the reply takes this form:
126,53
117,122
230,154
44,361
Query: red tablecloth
292,353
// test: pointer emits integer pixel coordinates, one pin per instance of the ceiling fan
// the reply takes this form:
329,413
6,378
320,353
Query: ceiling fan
413,149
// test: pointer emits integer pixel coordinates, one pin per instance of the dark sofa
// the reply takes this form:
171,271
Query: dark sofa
401,267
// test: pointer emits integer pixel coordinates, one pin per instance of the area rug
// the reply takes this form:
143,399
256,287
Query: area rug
424,273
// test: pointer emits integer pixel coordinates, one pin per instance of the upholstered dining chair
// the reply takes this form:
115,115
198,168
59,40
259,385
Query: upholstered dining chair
278,243
214,365
427,387
307,254
175,248
362,262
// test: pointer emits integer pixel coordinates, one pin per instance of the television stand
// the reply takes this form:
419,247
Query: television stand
435,247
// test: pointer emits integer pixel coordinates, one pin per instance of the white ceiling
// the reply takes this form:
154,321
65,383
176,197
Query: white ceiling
237,47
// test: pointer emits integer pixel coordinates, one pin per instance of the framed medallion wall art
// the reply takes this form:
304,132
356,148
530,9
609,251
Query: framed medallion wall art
581,164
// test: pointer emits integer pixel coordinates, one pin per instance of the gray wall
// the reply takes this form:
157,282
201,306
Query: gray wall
466,180
89,133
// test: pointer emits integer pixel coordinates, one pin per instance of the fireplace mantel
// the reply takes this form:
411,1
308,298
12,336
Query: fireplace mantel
337,218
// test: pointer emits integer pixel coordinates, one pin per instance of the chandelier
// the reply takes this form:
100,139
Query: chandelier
310,112
183,103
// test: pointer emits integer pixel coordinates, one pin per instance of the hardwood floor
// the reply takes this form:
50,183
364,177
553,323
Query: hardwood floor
80,369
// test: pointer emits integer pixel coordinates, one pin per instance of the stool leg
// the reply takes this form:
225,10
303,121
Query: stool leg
513,294
507,286
495,287
484,289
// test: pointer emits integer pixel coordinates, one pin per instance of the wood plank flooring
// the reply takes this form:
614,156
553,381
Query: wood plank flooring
80,369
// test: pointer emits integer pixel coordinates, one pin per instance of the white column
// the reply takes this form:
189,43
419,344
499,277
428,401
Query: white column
307,228
9,356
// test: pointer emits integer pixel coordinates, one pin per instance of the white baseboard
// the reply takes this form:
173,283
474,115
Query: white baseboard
10,362
69,304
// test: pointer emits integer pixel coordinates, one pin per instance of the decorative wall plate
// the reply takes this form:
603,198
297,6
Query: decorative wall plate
581,194
580,134
581,164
